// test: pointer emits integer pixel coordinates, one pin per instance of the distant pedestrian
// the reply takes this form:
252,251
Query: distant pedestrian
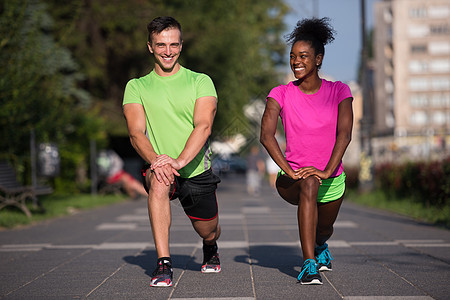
169,114
255,171
317,119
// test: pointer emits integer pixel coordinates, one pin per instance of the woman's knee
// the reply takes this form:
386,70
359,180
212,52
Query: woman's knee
310,188
310,184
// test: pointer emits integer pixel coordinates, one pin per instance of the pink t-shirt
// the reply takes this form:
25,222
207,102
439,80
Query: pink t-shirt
310,122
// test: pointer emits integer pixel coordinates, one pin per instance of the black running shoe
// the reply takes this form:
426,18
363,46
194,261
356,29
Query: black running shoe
162,276
309,273
211,262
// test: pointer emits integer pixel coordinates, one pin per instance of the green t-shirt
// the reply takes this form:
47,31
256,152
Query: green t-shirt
169,108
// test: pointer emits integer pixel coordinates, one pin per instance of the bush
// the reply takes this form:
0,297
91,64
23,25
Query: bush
426,182
352,175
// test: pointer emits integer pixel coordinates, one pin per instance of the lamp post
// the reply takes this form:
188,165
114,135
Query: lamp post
366,161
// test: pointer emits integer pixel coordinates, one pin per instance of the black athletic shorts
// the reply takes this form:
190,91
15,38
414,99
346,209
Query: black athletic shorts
197,195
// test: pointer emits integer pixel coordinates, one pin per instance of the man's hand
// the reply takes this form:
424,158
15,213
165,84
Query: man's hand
164,159
165,174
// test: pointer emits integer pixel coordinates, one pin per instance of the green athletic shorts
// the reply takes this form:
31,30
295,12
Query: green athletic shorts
331,189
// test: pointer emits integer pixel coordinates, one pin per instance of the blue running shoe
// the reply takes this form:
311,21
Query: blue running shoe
309,273
323,257
162,276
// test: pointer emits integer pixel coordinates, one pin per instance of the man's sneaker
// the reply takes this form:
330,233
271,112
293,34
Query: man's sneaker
309,273
162,276
211,262
323,257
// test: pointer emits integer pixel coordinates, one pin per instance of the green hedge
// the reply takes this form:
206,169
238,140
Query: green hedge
426,182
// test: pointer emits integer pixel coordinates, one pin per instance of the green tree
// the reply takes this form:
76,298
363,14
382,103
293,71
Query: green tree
38,88
238,43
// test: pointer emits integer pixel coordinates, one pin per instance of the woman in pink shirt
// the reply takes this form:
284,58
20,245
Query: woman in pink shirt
317,118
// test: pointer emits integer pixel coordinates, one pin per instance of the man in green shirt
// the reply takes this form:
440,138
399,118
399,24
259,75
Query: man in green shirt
169,115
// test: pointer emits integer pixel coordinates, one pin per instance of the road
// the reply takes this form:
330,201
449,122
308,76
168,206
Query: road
108,253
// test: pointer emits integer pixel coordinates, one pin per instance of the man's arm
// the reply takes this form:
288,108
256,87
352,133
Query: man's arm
204,113
135,117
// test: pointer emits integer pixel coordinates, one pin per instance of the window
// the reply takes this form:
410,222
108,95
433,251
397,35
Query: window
440,66
418,66
418,31
439,118
439,12
438,48
387,15
389,120
440,100
388,51
418,12
418,48
418,118
440,83
389,85
440,29
418,84
391,101
418,100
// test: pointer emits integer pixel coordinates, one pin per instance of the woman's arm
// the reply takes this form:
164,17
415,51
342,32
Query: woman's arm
268,140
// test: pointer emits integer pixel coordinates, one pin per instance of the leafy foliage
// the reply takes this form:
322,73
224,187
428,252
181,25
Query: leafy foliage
38,87
64,66
426,182
237,43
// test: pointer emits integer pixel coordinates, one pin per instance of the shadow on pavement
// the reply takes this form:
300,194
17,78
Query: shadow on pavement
147,261
283,258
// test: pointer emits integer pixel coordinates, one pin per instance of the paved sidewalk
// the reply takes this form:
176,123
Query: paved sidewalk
108,253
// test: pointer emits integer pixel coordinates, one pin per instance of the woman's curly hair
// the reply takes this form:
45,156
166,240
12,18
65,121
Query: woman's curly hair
316,31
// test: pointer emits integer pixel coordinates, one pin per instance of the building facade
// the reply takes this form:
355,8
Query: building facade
412,79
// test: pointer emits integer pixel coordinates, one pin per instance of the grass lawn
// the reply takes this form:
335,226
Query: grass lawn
55,206
408,207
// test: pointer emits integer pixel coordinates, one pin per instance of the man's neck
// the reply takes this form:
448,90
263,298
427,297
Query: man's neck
166,73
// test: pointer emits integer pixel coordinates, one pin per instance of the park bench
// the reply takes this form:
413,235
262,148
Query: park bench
12,193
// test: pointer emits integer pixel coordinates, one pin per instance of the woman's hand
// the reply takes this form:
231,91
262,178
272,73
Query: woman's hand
305,172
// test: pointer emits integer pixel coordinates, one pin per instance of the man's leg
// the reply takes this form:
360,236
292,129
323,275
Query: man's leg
209,230
159,213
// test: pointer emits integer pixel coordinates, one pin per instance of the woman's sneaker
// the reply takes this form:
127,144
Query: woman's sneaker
309,273
323,257
162,276
211,262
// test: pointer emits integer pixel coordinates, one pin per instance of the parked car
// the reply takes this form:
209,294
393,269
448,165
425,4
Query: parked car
231,164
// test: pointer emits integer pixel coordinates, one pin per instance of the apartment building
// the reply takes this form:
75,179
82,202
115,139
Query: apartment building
412,78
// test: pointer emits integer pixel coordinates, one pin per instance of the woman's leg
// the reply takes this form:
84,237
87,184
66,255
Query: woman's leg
327,214
302,193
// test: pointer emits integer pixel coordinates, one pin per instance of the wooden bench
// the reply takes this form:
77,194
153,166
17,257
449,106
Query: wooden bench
12,193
